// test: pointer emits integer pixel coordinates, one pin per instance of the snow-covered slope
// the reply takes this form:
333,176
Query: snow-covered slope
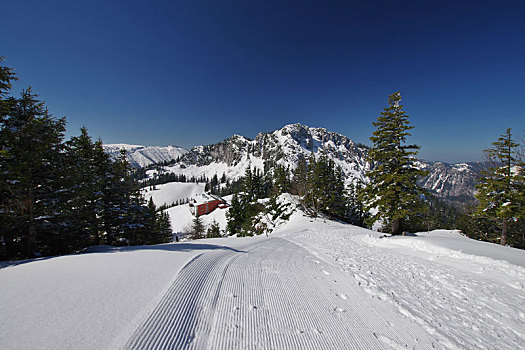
314,284
284,146
173,192
142,156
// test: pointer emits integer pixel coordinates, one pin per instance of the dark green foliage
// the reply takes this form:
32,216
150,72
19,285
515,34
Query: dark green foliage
275,210
214,230
242,215
355,212
479,227
320,185
393,189
281,179
197,228
299,184
235,215
58,197
501,192
246,212
31,141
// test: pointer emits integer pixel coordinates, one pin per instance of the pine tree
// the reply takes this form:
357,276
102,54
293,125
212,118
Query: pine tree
31,139
299,185
197,229
500,192
163,231
281,180
235,216
393,190
214,231
83,187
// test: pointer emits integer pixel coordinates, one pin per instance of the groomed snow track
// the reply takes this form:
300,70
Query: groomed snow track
271,295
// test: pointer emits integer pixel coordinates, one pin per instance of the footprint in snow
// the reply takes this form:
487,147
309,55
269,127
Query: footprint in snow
390,342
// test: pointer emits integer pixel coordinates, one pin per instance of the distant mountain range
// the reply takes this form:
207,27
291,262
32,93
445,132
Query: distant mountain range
451,182
142,156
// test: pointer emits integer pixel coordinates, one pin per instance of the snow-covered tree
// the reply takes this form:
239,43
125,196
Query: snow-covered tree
392,190
501,189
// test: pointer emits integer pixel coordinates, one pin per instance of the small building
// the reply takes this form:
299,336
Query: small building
205,204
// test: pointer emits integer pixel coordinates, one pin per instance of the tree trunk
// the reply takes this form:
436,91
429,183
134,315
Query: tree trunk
31,232
504,232
396,227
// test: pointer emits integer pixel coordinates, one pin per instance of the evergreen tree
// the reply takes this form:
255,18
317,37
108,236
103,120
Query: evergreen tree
197,229
355,212
299,184
393,190
57,197
281,180
214,231
500,192
83,190
235,216
31,140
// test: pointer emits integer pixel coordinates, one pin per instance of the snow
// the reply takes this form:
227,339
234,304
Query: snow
182,218
142,156
312,284
173,192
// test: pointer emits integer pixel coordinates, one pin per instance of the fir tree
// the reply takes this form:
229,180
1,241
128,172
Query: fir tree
392,189
500,192
214,231
31,139
281,180
299,184
197,229
235,216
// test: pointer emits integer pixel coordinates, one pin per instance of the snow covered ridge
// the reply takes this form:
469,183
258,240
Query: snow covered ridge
284,146
142,156
454,182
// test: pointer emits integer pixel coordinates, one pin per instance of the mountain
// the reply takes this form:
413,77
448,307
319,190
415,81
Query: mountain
142,156
452,182
284,146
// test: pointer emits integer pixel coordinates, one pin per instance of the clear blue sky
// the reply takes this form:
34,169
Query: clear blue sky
196,72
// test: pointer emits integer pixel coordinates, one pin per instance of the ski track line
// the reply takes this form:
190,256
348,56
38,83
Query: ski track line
173,322
273,296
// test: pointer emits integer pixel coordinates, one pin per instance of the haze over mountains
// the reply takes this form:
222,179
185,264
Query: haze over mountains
450,182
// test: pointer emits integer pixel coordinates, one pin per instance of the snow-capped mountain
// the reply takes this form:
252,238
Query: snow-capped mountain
142,156
284,146
453,182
